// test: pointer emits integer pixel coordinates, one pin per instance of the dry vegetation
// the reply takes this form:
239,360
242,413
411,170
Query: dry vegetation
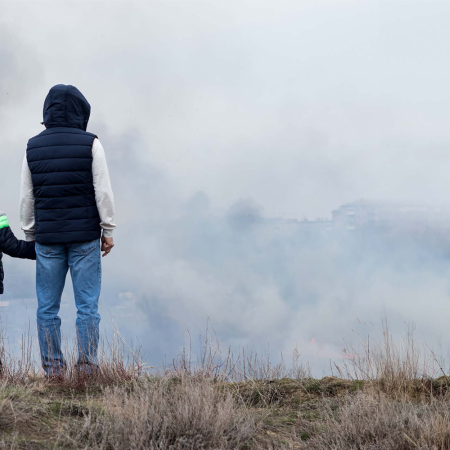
385,397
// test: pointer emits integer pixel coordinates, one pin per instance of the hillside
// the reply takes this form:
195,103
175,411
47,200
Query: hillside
195,413
386,396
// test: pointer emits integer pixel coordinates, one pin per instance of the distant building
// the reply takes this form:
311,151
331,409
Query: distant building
294,225
371,216
367,214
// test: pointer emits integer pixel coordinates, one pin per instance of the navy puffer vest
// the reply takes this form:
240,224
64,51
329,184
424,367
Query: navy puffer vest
60,161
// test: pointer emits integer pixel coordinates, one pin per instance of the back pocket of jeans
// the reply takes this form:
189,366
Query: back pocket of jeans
44,250
86,248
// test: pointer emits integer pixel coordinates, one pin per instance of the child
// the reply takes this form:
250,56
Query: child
12,246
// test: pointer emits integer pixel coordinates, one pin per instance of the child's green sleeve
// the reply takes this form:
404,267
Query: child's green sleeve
3,222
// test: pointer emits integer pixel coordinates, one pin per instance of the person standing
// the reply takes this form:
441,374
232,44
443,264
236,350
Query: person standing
67,207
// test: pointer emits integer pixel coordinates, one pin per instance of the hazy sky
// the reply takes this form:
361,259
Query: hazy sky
294,107
300,105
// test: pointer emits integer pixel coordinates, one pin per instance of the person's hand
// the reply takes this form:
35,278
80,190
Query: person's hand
107,245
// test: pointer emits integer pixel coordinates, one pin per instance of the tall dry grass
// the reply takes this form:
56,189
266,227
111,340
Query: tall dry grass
212,361
166,413
117,363
376,422
386,397
395,366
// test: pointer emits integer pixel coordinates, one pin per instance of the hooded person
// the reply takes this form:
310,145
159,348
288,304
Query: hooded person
67,207
11,246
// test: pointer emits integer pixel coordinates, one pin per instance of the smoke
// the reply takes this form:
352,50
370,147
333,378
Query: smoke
218,117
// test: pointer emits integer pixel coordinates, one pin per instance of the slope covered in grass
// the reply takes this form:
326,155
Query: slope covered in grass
199,413
387,397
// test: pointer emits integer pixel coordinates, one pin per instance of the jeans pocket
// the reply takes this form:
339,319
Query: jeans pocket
86,248
44,250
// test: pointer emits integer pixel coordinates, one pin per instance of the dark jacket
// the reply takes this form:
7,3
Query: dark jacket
11,246
60,162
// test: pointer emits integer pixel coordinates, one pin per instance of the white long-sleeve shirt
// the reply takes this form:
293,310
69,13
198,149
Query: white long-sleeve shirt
104,196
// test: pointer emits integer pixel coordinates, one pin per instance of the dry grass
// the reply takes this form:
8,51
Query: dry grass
364,421
386,396
166,413
118,364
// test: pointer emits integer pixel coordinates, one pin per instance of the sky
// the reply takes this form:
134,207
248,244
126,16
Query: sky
216,115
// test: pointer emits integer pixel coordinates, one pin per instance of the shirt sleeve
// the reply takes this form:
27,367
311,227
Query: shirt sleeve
104,196
26,206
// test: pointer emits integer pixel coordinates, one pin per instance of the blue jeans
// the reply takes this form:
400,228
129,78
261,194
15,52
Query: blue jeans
52,264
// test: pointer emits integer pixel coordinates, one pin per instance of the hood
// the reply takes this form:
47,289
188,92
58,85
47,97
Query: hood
66,106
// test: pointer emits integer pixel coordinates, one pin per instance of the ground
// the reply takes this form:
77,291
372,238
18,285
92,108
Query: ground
265,414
